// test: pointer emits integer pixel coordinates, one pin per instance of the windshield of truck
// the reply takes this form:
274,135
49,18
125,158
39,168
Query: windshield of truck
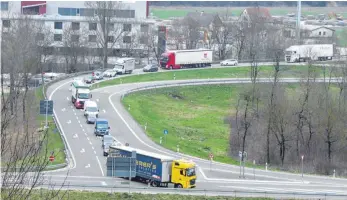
102,126
191,172
117,66
92,109
83,96
288,53
164,59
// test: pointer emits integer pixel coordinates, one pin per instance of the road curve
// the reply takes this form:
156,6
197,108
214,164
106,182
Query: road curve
89,163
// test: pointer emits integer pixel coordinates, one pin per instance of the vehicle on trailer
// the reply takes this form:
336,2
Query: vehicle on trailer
186,58
98,75
158,169
228,62
89,80
316,52
151,68
125,65
80,93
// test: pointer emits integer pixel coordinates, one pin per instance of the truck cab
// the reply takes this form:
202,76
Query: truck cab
183,174
101,127
80,93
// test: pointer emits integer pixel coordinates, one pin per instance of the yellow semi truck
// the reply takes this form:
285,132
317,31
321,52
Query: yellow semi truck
159,170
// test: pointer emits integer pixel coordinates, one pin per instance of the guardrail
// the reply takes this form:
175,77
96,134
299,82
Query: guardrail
201,192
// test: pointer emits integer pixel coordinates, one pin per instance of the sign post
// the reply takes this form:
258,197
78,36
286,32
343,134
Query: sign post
244,158
240,156
46,108
165,133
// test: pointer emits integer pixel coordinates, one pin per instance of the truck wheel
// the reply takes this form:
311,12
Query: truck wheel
154,184
178,186
130,71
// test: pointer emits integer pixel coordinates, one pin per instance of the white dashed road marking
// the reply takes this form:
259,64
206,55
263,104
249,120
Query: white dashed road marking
69,122
87,166
103,183
82,151
95,152
81,125
90,143
88,138
92,147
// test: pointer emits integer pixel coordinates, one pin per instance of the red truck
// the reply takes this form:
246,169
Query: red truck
192,58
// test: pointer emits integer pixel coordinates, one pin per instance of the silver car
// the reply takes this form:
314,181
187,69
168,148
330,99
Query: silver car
229,62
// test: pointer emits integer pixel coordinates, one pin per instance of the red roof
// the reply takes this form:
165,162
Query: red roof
256,13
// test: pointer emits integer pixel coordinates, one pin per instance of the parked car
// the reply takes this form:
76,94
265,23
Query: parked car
110,73
229,62
151,68
89,80
97,75
107,141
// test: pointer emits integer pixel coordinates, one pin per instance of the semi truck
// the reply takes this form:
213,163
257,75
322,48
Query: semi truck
302,53
186,58
80,93
159,170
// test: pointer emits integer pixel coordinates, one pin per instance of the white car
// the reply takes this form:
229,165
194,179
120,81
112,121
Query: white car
110,73
229,62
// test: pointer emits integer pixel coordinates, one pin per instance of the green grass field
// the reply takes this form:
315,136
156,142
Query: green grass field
85,195
54,141
235,72
195,117
166,13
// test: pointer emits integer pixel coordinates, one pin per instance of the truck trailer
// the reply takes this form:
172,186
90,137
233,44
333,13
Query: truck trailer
302,53
80,93
186,58
159,170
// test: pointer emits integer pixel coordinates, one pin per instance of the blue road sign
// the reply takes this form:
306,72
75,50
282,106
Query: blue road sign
166,132
46,107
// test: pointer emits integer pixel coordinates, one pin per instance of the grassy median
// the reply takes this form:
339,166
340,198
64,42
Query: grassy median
195,117
54,140
232,72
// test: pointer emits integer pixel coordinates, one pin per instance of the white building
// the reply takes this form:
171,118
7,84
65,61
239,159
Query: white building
72,21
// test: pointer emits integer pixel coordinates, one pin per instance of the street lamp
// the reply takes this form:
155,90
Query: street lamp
302,166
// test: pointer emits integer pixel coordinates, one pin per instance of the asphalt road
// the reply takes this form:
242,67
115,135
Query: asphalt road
87,167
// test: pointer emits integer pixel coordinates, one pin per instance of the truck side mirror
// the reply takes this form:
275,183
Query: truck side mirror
91,96
109,127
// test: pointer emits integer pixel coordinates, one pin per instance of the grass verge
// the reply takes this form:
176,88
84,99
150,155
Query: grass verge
54,140
195,117
85,195
234,72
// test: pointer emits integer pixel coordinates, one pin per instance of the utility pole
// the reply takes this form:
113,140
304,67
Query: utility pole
298,18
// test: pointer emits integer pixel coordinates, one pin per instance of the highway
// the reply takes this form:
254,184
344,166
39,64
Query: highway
88,165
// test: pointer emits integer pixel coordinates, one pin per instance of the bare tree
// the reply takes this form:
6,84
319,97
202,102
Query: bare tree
191,33
104,25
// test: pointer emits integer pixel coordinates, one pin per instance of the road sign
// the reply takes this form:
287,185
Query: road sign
240,154
51,158
210,156
46,107
166,132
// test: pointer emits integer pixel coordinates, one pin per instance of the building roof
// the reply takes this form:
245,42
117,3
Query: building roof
203,18
255,13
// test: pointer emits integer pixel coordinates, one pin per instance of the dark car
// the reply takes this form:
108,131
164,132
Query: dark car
151,68
89,80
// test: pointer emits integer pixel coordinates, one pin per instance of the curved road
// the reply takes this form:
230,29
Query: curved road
87,166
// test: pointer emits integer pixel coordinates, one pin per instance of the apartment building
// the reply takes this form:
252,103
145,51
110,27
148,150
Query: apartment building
72,21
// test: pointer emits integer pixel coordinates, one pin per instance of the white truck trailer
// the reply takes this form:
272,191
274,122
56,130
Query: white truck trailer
316,52
186,58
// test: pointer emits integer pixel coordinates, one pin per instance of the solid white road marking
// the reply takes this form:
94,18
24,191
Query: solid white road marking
103,183
61,127
69,122
102,171
87,166
82,150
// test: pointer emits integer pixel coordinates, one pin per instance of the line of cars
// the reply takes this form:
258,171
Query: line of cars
81,99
